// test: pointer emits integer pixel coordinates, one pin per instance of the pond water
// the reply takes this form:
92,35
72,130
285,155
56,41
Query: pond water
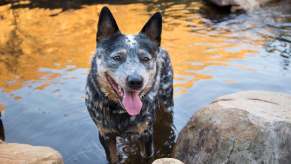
46,47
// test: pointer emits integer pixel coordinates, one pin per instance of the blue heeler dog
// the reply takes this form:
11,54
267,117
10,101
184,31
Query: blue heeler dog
130,78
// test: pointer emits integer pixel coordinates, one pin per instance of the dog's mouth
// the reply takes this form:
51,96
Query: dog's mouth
130,100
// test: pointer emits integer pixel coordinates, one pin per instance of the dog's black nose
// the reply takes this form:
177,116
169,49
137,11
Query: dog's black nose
134,82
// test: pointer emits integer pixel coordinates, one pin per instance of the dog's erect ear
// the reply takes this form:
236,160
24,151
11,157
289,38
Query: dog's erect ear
153,28
107,25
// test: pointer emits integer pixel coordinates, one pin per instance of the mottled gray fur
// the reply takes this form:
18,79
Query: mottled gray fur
137,54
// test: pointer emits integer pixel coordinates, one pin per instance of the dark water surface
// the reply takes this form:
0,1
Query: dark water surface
45,49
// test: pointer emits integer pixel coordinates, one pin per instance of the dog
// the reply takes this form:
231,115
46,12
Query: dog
131,77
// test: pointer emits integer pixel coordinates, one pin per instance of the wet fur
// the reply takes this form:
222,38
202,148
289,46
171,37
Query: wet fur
103,104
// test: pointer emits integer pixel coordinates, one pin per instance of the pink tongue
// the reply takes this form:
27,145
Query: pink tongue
132,103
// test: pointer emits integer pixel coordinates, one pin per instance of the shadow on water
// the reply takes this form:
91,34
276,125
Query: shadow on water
11,50
2,131
214,13
208,10
78,4
58,4
64,5
164,138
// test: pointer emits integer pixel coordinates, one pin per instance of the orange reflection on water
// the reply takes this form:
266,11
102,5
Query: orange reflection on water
31,39
2,108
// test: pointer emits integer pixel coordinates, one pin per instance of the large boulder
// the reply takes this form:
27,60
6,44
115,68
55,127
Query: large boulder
243,128
13,153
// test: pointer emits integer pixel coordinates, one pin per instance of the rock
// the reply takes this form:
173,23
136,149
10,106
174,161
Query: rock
167,161
239,4
13,153
242,128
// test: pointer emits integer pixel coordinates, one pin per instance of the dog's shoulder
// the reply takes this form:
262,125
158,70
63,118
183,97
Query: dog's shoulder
166,79
164,56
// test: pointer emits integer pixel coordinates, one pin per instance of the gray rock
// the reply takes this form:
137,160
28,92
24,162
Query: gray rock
243,128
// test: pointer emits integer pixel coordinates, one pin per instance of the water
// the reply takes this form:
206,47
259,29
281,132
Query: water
46,46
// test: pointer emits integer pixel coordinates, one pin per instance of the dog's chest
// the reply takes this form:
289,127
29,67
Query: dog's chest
121,123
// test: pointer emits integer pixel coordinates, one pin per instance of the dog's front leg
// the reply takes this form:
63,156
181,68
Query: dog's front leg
109,144
147,144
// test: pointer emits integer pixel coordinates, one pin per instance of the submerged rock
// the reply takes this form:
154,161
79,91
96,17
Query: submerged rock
167,161
13,153
239,4
242,128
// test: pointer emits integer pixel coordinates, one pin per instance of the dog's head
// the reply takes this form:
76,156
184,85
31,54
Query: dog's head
127,64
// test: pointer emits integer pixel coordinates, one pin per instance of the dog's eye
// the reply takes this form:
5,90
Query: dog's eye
116,58
146,59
